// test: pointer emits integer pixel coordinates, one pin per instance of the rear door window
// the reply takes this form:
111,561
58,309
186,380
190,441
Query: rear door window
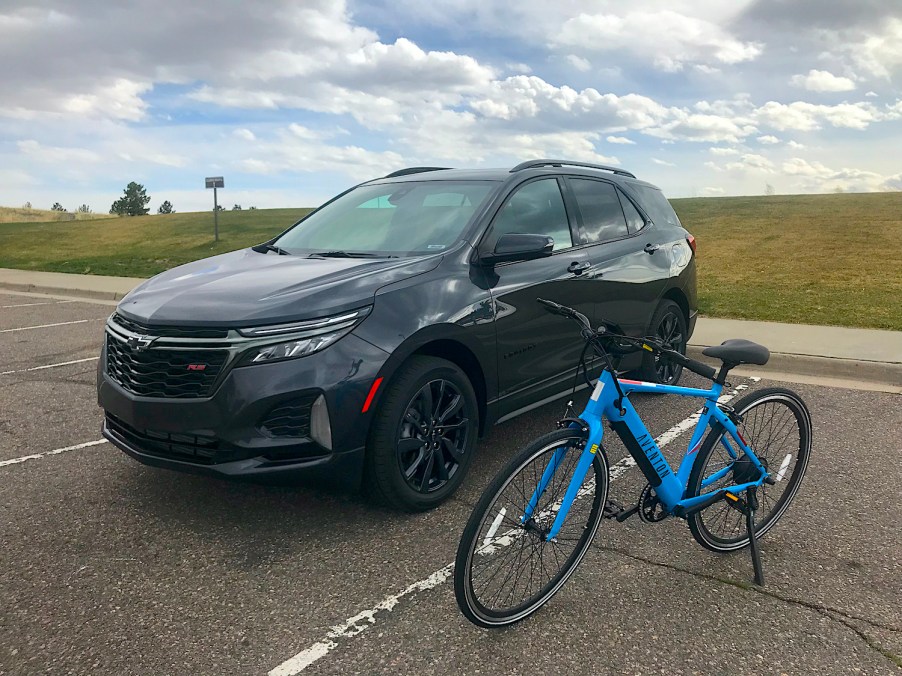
599,205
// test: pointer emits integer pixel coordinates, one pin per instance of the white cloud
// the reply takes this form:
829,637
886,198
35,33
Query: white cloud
56,155
522,68
578,62
751,162
723,151
817,177
804,116
768,139
663,163
244,134
703,128
871,94
880,54
677,38
795,145
823,81
531,98
296,149
711,191
621,140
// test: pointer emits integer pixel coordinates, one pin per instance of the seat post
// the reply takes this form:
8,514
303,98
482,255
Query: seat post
724,369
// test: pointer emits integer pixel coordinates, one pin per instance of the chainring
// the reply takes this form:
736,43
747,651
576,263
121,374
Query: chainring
651,510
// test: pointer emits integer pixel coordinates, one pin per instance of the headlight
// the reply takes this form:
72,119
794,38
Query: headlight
305,337
295,348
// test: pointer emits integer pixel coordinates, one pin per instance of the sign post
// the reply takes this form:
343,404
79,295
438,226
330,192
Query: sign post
215,182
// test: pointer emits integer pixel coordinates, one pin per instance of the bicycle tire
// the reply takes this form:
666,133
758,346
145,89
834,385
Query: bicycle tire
522,475
762,430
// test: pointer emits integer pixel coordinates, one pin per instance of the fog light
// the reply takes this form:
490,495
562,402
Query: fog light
320,428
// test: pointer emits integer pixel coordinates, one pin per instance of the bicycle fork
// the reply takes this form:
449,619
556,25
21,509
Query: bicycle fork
573,488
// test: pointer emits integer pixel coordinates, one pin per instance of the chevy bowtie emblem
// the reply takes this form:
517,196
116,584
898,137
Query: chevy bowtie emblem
140,343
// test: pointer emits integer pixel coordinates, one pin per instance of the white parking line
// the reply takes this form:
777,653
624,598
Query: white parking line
53,302
49,366
47,326
363,620
38,456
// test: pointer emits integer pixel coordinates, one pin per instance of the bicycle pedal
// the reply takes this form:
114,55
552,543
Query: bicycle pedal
612,509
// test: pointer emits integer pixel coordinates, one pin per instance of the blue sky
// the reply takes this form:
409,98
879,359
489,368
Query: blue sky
294,101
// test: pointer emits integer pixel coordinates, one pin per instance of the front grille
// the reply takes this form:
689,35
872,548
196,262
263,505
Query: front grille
289,419
186,447
164,373
168,331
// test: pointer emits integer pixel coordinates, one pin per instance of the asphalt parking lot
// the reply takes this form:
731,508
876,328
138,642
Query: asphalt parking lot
108,566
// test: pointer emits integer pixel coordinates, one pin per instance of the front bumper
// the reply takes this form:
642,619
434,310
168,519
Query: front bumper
224,434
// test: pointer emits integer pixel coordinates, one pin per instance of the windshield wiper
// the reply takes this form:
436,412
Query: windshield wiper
348,254
263,248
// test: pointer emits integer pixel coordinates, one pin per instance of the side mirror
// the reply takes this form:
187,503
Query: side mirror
517,247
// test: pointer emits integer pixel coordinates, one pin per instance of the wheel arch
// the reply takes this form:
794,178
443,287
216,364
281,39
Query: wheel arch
460,355
435,341
676,295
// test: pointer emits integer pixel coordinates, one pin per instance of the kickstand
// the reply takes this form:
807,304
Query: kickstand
751,506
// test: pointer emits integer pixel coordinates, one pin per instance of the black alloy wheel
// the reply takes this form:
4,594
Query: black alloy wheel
668,326
422,435
432,436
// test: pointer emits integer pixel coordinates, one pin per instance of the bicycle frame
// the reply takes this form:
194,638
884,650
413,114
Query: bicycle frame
669,486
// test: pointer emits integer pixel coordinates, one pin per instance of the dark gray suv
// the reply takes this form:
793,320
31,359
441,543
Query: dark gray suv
373,341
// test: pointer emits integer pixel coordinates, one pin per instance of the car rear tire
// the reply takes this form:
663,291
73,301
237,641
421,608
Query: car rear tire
668,324
423,436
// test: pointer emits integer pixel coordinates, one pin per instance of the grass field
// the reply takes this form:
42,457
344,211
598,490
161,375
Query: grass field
814,259
23,215
811,259
136,247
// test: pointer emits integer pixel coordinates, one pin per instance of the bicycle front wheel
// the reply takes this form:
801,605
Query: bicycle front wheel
776,425
506,569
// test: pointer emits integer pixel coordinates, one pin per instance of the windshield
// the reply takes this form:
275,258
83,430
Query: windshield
390,219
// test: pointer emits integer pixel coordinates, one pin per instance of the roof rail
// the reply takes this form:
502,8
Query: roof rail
532,164
413,170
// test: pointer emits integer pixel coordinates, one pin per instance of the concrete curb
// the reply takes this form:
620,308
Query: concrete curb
886,373
62,291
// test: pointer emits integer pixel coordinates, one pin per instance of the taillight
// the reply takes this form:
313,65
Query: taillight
691,241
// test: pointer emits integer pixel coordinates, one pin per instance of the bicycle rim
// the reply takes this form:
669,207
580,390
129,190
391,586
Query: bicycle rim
505,571
777,426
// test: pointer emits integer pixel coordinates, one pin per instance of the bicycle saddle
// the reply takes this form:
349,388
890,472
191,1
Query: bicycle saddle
739,351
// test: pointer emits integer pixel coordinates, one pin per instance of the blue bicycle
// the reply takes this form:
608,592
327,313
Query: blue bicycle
535,521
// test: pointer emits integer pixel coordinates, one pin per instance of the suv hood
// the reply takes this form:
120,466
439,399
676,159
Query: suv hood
244,288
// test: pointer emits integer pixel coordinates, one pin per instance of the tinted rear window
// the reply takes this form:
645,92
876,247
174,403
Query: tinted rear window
655,204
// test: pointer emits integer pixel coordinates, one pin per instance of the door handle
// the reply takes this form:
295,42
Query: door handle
577,267
651,248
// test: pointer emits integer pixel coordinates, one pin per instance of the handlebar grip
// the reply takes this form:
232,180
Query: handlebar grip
695,366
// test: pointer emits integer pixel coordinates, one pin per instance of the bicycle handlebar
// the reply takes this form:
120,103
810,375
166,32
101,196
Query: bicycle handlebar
698,367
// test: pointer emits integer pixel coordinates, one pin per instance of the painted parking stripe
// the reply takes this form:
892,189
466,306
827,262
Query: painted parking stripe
57,451
47,326
49,366
363,620
53,302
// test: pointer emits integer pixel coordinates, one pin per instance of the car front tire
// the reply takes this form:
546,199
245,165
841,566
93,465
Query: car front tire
423,436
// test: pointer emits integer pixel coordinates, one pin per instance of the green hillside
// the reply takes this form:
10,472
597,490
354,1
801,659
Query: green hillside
136,247
812,259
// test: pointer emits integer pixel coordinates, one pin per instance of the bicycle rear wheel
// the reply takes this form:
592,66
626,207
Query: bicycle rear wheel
505,570
776,425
